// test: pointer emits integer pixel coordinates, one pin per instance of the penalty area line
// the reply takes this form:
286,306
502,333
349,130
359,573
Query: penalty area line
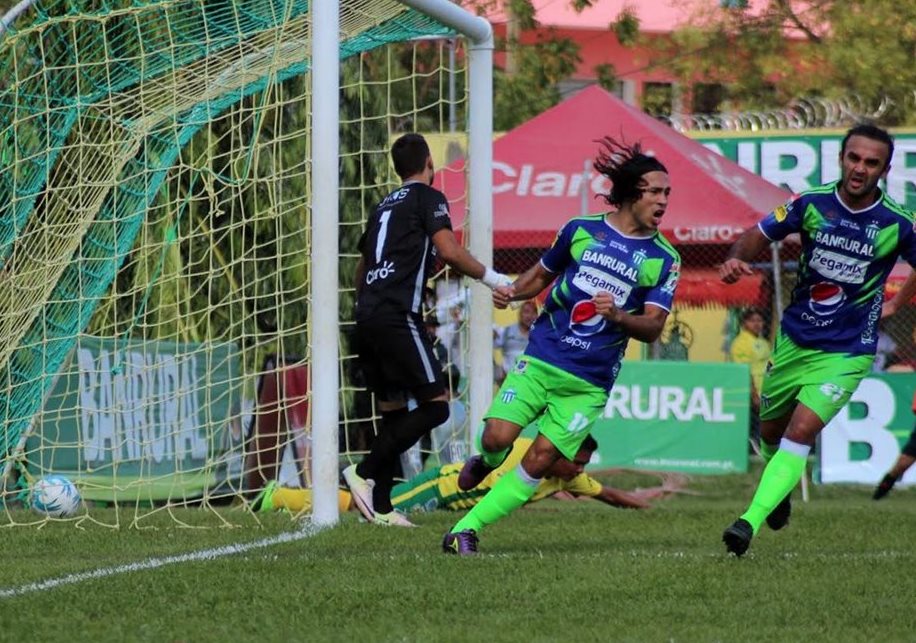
213,553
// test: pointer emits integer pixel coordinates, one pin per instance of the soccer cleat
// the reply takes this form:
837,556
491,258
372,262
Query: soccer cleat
264,501
472,473
737,538
884,487
462,543
779,517
393,519
362,492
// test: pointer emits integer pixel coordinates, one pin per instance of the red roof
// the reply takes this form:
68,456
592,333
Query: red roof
539,165
654,15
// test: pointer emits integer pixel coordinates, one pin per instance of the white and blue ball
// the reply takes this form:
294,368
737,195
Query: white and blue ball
55,496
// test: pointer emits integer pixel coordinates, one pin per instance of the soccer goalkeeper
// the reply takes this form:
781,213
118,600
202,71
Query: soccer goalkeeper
438,488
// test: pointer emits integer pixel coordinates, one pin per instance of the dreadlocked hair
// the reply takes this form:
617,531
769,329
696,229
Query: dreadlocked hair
624,165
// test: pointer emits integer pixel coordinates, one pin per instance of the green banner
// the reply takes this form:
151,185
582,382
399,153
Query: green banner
864,440
140,420
676,416
800,161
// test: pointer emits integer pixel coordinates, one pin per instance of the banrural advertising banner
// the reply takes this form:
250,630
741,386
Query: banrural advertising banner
862,442
799,162
151,419
676,416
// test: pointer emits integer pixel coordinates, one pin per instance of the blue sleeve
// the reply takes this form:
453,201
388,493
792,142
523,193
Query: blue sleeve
784,220
558,256
662,294
908,244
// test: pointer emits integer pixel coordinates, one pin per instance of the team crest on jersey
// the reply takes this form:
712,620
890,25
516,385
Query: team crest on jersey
781,212
871,231
441,210
520,366
508,395
639,256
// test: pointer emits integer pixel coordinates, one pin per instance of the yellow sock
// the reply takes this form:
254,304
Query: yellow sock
300,500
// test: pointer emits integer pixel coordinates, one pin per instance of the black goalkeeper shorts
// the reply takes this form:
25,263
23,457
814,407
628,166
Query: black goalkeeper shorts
397,359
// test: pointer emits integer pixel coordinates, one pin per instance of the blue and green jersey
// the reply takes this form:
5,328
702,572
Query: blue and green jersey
590,256
846,257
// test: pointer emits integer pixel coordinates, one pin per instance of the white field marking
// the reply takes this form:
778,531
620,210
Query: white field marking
307,531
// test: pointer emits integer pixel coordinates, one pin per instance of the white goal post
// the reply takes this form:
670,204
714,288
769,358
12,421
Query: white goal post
325,302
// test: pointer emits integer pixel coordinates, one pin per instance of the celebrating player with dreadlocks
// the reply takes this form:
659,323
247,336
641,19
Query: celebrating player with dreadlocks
614,278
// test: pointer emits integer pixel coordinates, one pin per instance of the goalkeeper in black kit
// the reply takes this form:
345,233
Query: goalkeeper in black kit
403,237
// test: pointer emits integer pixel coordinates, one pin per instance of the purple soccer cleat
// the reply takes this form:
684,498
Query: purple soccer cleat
472,473
462,543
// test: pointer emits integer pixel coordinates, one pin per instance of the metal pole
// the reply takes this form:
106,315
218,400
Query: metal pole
325,377
586,173
452,112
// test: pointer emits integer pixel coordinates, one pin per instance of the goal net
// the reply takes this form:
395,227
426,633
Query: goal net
154,242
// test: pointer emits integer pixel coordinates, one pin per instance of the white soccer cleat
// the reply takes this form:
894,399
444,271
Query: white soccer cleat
393,519
362,492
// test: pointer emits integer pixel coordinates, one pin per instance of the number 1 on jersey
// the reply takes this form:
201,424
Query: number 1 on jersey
382,233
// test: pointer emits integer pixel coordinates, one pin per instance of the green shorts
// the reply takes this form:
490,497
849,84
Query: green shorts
565,406
821,381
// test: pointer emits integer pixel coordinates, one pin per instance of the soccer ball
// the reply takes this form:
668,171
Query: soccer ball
55,496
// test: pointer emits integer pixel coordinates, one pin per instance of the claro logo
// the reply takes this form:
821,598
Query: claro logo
528,181
707,233
525,181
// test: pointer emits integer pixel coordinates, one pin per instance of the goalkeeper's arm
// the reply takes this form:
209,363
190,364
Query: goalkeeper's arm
457,257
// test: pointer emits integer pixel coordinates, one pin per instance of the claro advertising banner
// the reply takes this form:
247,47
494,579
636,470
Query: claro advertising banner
862,442
151,419
676,416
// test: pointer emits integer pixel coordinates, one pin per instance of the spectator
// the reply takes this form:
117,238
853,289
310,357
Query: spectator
752,348
512,340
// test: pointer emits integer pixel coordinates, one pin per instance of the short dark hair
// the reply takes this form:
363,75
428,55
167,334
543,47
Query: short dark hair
624,165
409,154
589,443
873,132
750,312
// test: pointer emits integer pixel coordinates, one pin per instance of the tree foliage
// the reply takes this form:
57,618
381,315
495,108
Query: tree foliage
784,49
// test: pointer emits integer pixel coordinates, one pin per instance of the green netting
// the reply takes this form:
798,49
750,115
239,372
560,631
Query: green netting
100,102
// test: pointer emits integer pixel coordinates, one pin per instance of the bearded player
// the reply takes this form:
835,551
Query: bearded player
851,235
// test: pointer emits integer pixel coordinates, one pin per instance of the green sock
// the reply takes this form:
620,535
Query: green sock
509,493
779,477
490,458
767,450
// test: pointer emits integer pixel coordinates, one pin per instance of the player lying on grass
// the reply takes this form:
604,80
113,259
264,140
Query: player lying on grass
438,488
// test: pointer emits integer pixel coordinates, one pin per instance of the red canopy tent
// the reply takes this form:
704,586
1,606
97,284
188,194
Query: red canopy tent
539,169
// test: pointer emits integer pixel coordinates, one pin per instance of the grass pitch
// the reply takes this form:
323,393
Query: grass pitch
843,570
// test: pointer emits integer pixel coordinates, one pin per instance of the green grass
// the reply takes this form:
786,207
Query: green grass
557,571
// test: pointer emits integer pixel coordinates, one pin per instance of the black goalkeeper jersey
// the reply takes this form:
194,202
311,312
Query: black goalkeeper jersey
398,251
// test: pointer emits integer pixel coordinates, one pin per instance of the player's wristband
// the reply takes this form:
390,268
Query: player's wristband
492,279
